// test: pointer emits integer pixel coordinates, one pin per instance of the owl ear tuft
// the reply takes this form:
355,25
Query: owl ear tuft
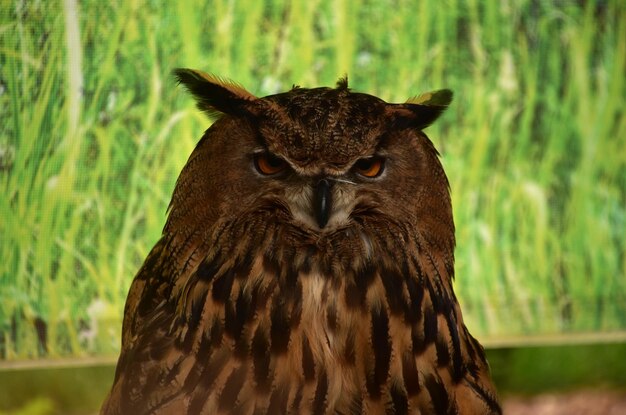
441,97
421,111
342,83
215,95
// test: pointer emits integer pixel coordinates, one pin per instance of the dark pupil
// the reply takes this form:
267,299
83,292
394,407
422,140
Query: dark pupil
365,164
273,162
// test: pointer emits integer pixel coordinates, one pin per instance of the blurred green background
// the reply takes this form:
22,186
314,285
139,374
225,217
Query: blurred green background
94,131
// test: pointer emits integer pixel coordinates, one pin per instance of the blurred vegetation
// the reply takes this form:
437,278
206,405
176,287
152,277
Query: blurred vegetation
93,133
57,390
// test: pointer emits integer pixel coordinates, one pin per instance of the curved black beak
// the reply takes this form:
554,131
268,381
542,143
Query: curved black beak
322,202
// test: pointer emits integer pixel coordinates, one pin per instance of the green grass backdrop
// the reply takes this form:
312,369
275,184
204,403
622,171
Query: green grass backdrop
93,133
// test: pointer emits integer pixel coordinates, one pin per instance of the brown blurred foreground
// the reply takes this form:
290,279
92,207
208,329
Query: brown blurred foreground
588,402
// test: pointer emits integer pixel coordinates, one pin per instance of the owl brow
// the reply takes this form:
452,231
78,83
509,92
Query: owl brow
381,144
260,140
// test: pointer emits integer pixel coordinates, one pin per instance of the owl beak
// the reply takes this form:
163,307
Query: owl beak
322,202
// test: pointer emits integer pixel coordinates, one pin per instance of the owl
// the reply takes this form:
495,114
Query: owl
305,267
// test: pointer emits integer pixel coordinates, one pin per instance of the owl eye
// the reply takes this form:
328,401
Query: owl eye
268,164
370,167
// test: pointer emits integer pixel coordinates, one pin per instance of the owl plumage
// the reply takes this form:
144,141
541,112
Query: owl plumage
305,267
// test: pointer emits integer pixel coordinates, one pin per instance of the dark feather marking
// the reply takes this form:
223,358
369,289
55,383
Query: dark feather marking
381,345
278,400
420,272
271,266
150,297
261,294
417,339
279,331
207,270
171,373
478,347
469,342
438,395
197,305
216,333
295,405
354,297
205,347
410,374
430,326
416,295
232,388
472,368
349,353
305,268
235,319
458,369
356,290
157,345
230,323
308,364
356,405
436,298
185,345
261,358
296,310
319,401
443,354
156,383
475,352
450,269
331,317
241,348
399,400
213,368
154,406
222,286
486,396
244,265
196,388
289,287
243,307
393,283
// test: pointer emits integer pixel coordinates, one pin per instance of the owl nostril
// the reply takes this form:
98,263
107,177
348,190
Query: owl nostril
322,202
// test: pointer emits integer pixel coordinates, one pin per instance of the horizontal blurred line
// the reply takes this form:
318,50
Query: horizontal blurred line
61,363
554,339
489,343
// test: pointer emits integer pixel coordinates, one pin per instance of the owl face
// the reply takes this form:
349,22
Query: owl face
318,157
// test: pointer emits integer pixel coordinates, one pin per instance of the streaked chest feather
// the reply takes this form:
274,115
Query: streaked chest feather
273,337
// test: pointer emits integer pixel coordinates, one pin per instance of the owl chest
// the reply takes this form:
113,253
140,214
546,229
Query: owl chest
321,324
327,342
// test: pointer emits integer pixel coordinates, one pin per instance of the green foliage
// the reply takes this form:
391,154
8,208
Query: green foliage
37,406
92,139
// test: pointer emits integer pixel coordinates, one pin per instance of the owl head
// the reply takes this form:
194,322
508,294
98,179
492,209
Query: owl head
319,160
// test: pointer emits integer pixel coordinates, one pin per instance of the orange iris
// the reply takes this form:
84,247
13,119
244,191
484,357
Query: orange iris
268,164
370,167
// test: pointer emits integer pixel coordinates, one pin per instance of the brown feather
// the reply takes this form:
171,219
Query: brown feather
247,305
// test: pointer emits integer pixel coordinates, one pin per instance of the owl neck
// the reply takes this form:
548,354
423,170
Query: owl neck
370,262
